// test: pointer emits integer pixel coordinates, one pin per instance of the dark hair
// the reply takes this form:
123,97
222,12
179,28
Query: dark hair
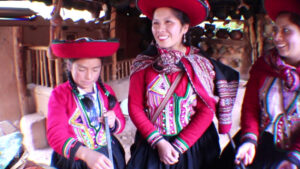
294,18
87,102
184,19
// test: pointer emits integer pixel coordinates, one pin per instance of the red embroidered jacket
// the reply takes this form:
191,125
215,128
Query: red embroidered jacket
67,125
251,111
137,93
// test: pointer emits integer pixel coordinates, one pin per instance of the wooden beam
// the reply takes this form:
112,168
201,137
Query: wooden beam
50,71
56,33
113,18
252,38
58,71
55,25
260,36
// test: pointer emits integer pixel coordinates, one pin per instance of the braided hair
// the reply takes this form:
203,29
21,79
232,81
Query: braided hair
87,102
111,99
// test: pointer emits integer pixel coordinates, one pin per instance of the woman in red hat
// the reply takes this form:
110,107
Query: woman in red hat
76,109
270,113
178,132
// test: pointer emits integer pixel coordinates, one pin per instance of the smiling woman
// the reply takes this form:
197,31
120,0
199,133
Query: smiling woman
270,113
174,120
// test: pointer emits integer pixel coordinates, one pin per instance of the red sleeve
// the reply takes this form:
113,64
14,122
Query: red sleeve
251,108
59,134
136,103
120,120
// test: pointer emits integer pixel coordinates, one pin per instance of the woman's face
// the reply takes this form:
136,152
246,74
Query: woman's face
287,39
85,72
167,29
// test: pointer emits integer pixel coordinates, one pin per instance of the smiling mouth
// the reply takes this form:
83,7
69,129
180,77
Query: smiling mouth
280,46
163,37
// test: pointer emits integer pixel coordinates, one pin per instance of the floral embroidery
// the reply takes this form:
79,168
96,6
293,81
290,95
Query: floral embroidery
86,133
177,112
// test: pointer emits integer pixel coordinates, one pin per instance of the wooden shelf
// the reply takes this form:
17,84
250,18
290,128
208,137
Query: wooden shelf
241,42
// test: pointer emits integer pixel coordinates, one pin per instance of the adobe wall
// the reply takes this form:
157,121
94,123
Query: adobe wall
9,104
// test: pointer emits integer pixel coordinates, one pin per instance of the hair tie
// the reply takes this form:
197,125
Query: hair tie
80,97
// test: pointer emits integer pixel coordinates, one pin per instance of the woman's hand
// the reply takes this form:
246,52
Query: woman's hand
287,165
93,159
167,152
111,116
246,153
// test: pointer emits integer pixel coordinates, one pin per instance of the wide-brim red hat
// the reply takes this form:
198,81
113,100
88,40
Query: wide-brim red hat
196,10
84,48
274,7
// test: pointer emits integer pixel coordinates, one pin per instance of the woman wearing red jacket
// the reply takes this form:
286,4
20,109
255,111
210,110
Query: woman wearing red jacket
183,134
270,112
76,109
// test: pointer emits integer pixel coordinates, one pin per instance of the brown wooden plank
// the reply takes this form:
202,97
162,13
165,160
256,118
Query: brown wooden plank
37,68
113,35
58,71
47,83
41,67
50,72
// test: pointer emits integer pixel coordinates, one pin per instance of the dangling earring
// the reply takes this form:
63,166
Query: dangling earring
184,38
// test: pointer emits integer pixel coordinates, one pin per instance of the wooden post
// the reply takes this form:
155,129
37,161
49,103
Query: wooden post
50,71
19,70
29,63
58,71
55,33
113,35
37,61
55,25
260,38
45,60
252,39
41,68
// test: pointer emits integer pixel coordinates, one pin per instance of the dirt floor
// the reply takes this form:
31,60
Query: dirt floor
127,137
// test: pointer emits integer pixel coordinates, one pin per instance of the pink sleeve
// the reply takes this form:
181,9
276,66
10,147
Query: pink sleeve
59,134
251,109
136,103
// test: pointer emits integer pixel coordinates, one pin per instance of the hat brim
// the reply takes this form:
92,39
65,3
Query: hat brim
274,7
90,49
196,10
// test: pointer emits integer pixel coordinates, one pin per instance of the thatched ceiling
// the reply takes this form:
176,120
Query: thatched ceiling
218,7
90,5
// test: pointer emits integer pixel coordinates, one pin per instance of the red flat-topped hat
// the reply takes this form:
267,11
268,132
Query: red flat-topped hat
84,48
274,7
196,10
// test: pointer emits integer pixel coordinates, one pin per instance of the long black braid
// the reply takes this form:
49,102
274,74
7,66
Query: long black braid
87,102
111,99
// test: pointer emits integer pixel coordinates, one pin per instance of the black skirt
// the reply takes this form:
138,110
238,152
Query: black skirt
60,162
203,154
267,155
